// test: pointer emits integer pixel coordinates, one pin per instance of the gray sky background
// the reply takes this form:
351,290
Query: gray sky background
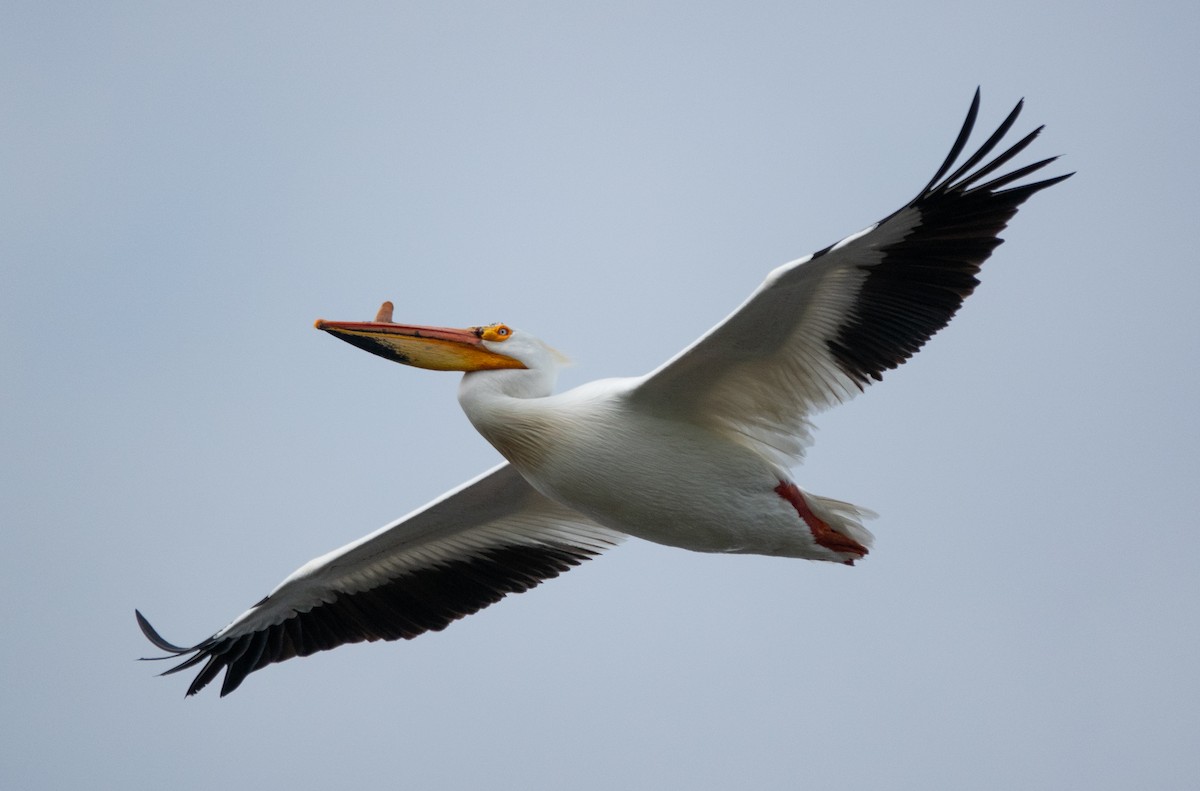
186,188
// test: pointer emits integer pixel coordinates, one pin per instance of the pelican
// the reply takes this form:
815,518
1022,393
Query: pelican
695,454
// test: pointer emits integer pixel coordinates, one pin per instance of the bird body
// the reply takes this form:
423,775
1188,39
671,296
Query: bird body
652,474
696,454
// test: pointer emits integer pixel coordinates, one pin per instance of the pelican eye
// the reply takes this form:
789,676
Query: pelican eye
496,332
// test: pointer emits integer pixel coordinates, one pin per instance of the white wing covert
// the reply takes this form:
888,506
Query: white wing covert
819,329
492,536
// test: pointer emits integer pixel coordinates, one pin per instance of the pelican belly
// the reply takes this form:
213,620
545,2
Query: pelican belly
662,479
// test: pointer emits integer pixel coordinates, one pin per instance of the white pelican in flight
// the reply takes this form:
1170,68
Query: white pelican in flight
695,454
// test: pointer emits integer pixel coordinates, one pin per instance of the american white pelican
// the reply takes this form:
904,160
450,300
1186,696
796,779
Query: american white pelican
692,455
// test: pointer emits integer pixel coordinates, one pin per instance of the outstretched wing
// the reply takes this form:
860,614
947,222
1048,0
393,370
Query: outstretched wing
490,537
819,329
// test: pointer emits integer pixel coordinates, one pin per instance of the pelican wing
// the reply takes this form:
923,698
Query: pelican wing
492,536
819,329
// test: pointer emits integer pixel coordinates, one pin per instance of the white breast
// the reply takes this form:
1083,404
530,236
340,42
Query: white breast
652,476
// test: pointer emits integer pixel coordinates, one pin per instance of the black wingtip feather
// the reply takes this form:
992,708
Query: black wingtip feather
990,144
959,143
154,637
923,278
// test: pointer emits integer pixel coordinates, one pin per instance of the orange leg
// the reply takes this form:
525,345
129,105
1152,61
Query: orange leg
822,533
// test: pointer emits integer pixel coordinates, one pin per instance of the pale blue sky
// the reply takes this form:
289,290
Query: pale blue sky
184,188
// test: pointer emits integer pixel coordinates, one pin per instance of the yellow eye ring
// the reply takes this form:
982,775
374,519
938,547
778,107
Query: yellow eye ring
496,332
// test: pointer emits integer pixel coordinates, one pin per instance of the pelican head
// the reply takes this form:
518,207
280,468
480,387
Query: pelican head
485,348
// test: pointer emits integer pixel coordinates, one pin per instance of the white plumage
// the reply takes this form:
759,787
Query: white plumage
693,455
